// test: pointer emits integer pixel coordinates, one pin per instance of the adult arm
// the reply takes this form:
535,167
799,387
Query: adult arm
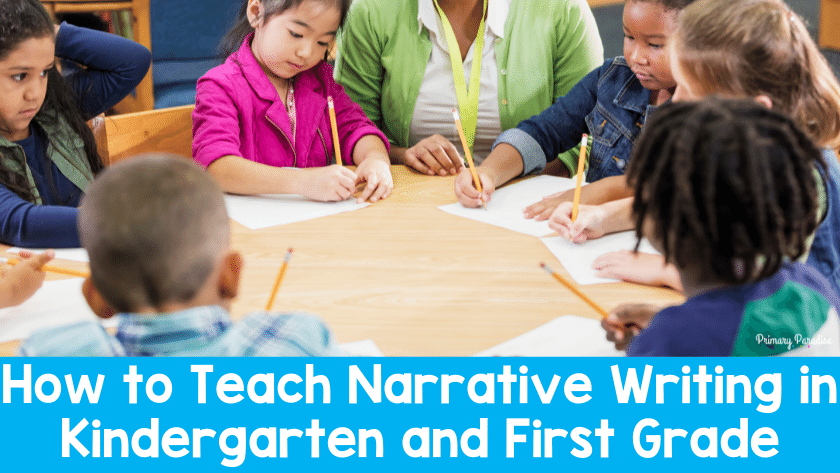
113,66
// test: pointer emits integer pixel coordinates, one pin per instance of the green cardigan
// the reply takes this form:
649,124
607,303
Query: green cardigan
548,46
66,150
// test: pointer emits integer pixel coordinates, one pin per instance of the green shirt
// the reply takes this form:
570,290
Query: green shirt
548,46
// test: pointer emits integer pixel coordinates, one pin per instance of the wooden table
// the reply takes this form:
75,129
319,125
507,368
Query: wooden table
141,26
416,280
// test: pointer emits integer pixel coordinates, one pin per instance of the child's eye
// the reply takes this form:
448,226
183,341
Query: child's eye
323,44
19,77
295,35
45,72
627,36
655,46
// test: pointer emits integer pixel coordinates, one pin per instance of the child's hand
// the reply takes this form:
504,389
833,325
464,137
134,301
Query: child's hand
19,282
543,209
626,321
641,268
434,155
377,174
588,225
328,184
466,192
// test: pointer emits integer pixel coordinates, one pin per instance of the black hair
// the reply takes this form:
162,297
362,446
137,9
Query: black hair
21,20
669,4
728,185
233,39
162,251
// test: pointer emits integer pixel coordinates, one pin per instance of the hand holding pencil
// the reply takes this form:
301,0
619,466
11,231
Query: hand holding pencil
20,281
480,182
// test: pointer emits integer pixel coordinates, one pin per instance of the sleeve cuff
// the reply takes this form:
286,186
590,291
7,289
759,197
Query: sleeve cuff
533,157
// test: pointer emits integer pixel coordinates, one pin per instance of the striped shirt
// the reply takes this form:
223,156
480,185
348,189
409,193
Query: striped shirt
792,313
199,331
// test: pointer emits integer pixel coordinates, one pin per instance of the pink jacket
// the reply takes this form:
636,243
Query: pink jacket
238,112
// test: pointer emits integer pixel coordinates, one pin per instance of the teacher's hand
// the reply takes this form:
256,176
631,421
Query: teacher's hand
434,155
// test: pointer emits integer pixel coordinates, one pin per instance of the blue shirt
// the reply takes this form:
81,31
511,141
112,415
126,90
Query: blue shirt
200,331
609,103
113,68
793,312
824,254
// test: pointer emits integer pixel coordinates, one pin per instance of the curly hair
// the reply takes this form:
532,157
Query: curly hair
729,186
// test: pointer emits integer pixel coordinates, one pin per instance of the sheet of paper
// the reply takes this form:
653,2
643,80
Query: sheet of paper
569,335
361,348
56,303
506,206
577,258
70,254
256,212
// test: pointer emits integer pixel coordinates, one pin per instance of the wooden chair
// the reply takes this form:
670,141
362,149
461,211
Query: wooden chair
141,26
829,19
168,130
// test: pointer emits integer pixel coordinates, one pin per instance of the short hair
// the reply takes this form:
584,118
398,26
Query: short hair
729,186
155,227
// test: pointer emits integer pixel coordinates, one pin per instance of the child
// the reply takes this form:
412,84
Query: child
265,109
754,49
47,152
611,104
726,190
170,279
19,282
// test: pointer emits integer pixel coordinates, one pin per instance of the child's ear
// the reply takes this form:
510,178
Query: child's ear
95,301
230,275
254,12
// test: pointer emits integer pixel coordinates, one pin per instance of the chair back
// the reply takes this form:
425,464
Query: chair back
166,130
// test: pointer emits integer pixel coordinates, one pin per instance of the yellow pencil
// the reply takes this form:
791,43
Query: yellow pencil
279,279
467,153
50,269
334,127
581,159
577,292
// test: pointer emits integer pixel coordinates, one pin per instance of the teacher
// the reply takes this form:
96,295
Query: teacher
409,63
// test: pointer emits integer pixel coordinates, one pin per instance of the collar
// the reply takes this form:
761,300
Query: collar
170,333
497,13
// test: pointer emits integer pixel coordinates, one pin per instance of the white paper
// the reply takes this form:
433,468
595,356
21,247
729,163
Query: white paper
263,211
506,205
57,303
577,258
568,335
361,348
70,254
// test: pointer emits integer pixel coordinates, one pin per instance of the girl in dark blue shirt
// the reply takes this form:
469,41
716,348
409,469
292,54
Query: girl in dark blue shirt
48,154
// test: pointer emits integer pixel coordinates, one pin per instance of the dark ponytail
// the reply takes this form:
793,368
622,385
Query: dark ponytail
234,38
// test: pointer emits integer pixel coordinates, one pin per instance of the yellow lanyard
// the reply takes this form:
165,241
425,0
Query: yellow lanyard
467,101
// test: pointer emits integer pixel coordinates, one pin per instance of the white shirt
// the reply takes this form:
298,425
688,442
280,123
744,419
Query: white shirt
433,109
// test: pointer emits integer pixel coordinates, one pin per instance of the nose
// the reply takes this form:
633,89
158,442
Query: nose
30,93
304,50
638,55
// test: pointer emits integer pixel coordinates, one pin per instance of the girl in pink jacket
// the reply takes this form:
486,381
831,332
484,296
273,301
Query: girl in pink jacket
261,124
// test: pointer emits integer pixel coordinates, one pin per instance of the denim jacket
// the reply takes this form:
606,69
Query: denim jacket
824,254
609,104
